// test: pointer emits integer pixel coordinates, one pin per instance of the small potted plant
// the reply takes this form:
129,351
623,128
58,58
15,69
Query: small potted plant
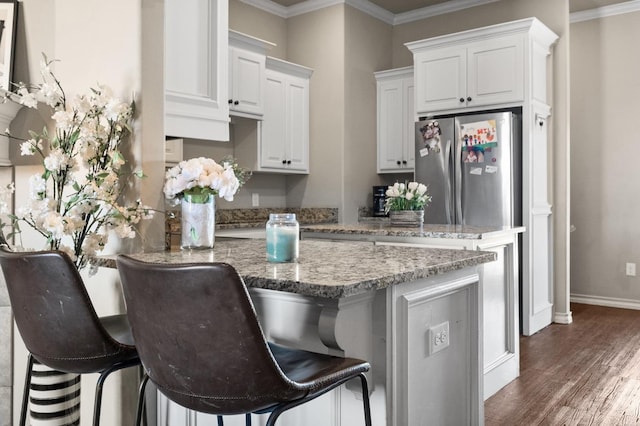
405,203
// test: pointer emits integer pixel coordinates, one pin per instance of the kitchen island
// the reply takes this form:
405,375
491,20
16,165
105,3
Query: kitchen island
413,313
500,280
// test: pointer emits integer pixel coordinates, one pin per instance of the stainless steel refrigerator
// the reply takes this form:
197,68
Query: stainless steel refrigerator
472,166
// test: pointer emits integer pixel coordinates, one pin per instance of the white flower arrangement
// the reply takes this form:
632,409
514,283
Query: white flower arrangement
76,201
198,178
406,196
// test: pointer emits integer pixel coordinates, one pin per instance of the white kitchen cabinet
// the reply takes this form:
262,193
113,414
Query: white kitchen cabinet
503,66
469,73
196,49
281,140
395,120
247,57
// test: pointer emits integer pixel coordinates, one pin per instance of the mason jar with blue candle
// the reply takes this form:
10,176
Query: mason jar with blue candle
282,237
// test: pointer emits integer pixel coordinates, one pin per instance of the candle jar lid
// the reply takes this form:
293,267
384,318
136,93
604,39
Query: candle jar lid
283,218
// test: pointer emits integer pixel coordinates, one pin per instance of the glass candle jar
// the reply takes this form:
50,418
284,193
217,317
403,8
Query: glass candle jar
282,237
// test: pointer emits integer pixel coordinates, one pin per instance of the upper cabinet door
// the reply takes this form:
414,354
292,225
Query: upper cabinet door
297,122
390,125
496,71
247,59
273,131
196,79
395,120
441,81
247,81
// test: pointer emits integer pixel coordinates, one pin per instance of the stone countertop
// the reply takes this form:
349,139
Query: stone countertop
425,231
325,269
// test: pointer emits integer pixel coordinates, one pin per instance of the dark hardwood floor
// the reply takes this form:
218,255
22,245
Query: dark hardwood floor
585,373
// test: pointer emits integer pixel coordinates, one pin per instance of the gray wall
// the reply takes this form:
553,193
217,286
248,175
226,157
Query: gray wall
605,177
316,40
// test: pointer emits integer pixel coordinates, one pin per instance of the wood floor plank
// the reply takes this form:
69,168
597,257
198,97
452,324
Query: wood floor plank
584,373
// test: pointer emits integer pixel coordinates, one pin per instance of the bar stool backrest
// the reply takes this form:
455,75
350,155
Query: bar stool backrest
199,339
54,313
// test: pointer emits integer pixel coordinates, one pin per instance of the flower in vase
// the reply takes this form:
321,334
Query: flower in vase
202,177
78,197
406,196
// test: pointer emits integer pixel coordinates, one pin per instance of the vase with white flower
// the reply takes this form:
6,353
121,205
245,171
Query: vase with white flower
195,183
405,203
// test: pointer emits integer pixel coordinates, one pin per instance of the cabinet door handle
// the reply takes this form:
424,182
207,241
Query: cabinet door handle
236,102
284,161
461,99
398,162
288,161
404,161
468,98
230,101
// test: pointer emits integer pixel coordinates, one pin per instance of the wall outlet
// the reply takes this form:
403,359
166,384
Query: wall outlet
255,199
438,337
631,269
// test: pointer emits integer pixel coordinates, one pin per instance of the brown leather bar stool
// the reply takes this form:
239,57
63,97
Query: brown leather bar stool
58,322
201,344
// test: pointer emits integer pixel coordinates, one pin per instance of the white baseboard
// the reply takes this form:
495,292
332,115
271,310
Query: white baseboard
563,318
611,302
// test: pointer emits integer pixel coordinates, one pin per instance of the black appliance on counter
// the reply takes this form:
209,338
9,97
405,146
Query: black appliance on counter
379,199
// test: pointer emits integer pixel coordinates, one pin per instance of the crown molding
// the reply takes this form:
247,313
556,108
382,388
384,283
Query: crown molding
311,6
438,9
374,10
605,11
425,12
367,7
269,6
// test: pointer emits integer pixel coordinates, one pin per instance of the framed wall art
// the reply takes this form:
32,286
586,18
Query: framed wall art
8,21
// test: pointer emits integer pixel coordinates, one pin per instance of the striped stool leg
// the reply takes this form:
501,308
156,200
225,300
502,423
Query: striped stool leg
54,397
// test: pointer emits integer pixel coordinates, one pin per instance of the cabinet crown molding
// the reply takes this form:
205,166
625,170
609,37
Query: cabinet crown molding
290,68
244,41
394,72
533,26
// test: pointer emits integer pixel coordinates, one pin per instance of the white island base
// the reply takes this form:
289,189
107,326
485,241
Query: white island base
421,338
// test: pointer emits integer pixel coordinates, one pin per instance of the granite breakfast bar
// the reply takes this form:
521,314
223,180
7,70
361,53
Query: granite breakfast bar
414,313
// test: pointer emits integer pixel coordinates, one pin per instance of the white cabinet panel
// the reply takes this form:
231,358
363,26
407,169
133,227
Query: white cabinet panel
395,120
298,125
442,79
246,89
247,58
196,69
495,71
273,137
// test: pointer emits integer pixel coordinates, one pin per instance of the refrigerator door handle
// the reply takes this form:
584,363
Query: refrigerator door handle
448,202
458,168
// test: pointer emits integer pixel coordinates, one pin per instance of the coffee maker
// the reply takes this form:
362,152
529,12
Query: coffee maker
379,199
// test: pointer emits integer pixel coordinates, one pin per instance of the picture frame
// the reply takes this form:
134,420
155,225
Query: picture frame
8,24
